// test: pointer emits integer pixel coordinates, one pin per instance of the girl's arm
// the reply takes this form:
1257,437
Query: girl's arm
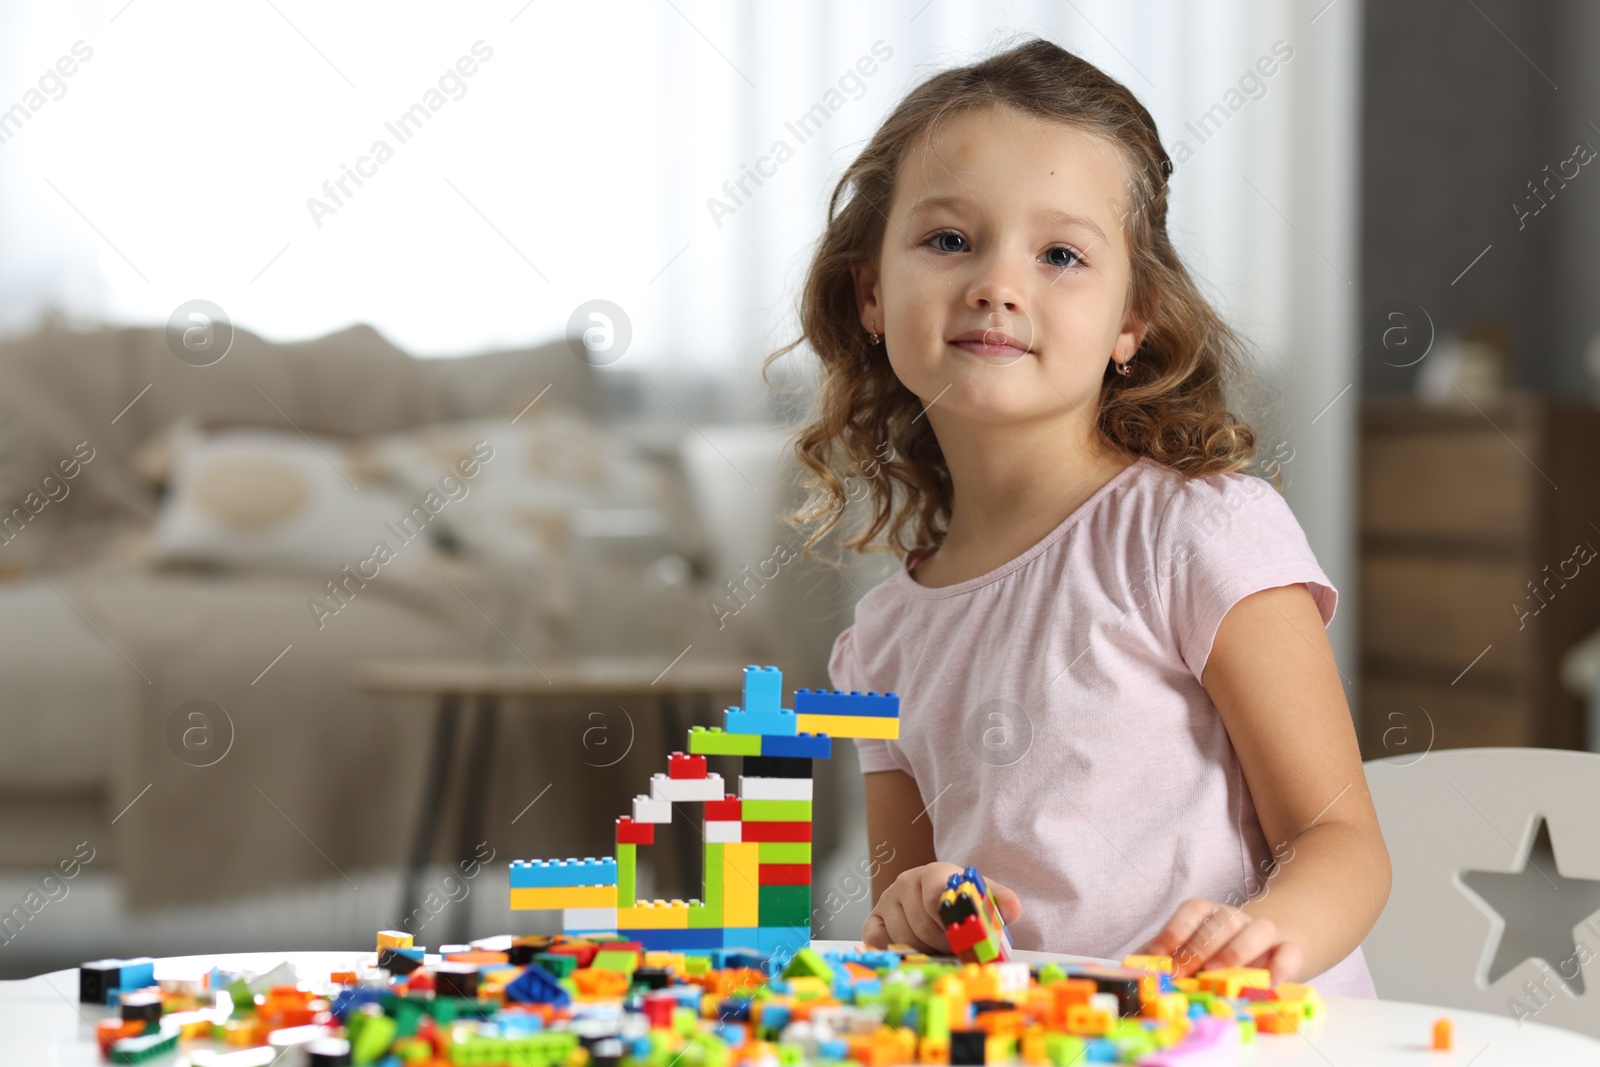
895,816
1272,676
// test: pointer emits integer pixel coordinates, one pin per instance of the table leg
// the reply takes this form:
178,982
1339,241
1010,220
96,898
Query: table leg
475,800
444,738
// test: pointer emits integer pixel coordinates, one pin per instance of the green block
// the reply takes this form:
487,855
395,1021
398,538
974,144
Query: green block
557,964
1063,1050
370,1036
784,905
704,917
808,964
784,851
936,1018
713,742
627,870
143,1047
713,878
407,1013
775,811
621,962
696,965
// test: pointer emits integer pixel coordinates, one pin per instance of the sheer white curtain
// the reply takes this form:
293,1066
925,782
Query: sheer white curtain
577,158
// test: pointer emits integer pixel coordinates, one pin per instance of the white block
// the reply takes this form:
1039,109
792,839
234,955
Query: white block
774,788
678,790
588,918
1104,1002
1012,977
723,832
647,810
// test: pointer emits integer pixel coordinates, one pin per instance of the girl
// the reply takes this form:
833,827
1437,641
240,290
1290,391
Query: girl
1118,697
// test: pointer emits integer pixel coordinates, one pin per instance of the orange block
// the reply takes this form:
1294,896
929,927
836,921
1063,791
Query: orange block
478,956
1443,1035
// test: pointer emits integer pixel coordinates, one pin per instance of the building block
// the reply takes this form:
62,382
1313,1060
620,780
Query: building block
724,810
972,921
874,726
724,831
685,790
634,833
677,939
739,937
776,766
784,940
526,874
714,742
780,723
785,852
753,788
537,898
838,702
776,831
801,746
715,868
647,809
589,920
98,978
396,938
763,688
704,917
777,811
785,905
741,884
786,874
627,875
654,915
681,766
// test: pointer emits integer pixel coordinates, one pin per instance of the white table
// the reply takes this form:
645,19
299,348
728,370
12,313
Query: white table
41,1022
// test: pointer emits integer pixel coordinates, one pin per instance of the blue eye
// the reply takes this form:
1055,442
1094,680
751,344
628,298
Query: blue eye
1073,258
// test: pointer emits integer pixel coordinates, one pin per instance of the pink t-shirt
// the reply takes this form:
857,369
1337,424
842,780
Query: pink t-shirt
1053,718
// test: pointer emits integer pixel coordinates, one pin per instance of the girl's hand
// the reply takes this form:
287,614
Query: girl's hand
1203,935
908,911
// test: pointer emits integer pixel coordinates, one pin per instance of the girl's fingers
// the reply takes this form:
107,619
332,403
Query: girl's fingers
926,933
1010,904
1252,939
1184,922
1216,928
1282,960
874,932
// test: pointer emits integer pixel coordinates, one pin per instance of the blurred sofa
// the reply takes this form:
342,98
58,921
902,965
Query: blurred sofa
140,572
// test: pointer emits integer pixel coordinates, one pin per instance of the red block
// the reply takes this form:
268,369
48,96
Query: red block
784,874
776,831
584,951
681,766
964,934
635,833
726,810
635,947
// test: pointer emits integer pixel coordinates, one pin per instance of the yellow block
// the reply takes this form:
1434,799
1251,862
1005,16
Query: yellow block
393,939
883,726
535,898
1227,981
654,915
741,884
1162,964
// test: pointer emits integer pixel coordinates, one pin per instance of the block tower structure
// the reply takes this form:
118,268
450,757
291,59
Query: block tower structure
757,869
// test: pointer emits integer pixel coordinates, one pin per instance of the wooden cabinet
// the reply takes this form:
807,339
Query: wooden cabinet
1480,567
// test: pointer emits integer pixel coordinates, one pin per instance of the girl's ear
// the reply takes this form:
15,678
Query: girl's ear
868,299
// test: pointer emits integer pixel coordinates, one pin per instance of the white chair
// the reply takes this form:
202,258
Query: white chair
1496,899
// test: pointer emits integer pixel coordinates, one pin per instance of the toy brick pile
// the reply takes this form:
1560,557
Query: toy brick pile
757,869
560,1001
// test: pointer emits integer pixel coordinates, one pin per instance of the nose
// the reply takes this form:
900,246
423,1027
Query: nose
995,288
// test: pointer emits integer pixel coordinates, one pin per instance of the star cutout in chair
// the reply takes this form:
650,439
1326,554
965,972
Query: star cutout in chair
1539,909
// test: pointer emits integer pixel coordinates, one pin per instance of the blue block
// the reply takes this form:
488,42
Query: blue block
1100,1050
789,938
535,985
763,688
138,973
739,937
800,746
837,702
674,940
776,723
534,874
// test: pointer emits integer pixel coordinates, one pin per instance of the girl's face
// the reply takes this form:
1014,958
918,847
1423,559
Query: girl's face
1001,286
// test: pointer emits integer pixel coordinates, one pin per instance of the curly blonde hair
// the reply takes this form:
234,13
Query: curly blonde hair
1173,409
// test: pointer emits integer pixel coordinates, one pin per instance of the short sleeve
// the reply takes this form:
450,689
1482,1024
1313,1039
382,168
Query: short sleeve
1220,539
844,672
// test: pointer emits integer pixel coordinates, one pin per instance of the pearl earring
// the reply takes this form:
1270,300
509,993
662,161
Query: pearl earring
872,334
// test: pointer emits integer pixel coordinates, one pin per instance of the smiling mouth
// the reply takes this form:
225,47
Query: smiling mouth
989,349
